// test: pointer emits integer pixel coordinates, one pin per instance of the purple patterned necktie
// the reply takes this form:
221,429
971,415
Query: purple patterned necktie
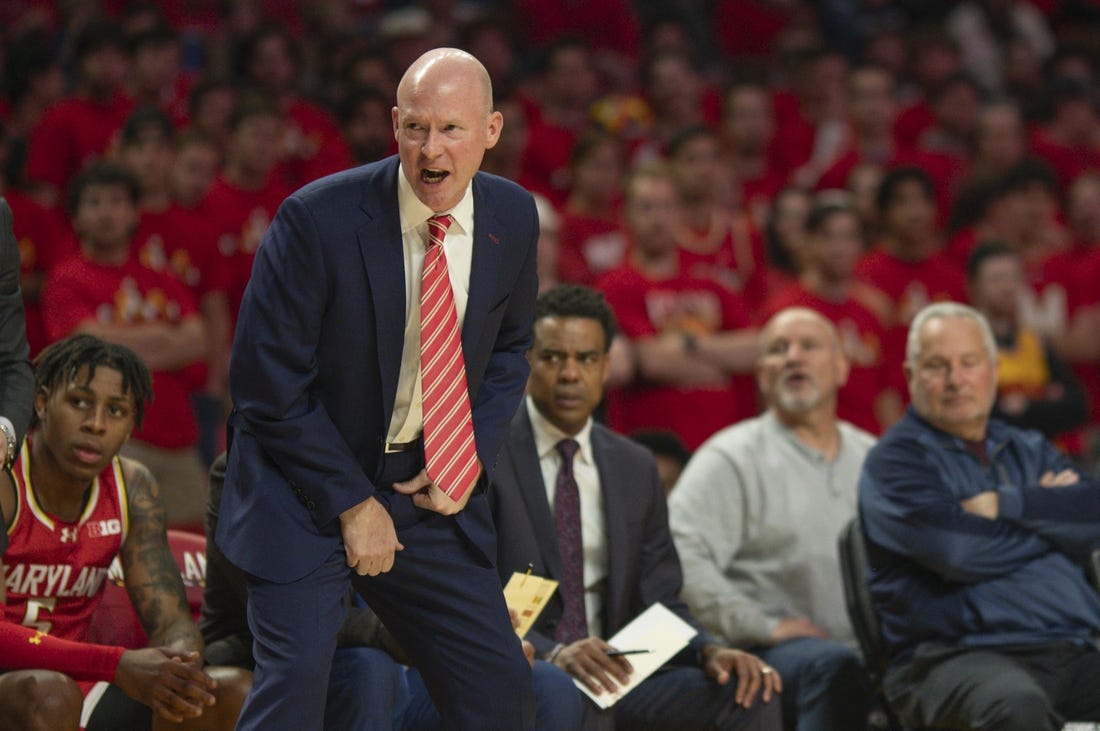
573,625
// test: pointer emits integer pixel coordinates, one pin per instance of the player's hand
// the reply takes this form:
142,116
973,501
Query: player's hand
587,661
167,681
370,540
427,494
754,676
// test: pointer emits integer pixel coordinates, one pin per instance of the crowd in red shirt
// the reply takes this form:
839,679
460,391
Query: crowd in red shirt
741,102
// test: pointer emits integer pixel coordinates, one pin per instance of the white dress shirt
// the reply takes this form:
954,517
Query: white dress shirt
408,409
593,527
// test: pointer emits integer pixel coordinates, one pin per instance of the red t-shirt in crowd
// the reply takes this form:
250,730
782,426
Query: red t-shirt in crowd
959,246
912,284
546,159
590,247
795,135
863,339
1056,289
315,144
184,244
944,170
645,308
79,290
757,194
241,218
69,134
1067,161
730,252
44,240
1080,268
912,122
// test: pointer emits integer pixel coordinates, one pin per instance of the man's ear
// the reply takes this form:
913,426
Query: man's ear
41,398
493,128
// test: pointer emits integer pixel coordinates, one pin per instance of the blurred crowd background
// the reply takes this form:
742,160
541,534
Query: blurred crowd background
702,163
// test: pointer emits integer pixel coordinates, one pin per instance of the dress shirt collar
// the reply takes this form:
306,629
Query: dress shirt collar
547,435
415,214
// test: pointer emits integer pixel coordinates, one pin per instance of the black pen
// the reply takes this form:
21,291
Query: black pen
617,653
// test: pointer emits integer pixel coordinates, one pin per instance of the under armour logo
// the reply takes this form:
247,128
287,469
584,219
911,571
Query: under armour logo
69,535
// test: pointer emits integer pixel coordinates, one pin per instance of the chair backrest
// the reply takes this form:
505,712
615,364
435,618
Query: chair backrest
116,623
861,612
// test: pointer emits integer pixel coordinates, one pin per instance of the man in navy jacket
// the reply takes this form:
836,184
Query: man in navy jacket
976,532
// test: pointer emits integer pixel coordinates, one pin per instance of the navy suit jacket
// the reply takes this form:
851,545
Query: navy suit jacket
317,352
16,377
642,564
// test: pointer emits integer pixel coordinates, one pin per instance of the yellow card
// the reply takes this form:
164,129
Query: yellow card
527,595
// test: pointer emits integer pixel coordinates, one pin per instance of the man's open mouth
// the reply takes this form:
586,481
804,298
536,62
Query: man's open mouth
433,176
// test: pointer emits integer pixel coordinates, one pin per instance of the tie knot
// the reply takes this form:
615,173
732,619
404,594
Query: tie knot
437,228
568,449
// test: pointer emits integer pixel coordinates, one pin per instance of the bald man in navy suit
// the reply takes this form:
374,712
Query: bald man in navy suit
325,477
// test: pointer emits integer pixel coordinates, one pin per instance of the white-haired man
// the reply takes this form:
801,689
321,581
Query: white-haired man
975,533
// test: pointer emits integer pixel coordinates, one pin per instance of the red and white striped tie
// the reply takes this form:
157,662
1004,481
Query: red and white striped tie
450,454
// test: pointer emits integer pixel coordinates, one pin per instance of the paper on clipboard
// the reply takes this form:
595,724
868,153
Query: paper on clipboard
656,629
527,595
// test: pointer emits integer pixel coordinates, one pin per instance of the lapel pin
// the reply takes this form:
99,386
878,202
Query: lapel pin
494,239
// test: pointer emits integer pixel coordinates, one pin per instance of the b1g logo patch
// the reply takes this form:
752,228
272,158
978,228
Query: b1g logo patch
103,528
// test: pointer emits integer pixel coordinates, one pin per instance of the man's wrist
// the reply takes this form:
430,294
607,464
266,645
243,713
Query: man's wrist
553,654
709,651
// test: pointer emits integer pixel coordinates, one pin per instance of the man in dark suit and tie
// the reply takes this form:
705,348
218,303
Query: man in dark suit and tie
350,455
585,506
16,379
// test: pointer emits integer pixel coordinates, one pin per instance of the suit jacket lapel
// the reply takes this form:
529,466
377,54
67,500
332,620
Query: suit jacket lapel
532,489
384,260
616,505
484,269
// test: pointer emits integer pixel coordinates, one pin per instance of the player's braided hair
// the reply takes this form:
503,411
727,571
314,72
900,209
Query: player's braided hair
62,361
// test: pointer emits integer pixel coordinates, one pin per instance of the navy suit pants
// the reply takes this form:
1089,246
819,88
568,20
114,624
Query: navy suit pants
442,601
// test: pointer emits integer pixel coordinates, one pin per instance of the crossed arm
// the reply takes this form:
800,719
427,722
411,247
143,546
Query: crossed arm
1061,508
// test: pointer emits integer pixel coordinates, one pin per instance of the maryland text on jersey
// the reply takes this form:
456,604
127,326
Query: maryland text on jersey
56,580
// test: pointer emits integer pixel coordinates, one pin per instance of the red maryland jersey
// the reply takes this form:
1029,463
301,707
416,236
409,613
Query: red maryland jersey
55,570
